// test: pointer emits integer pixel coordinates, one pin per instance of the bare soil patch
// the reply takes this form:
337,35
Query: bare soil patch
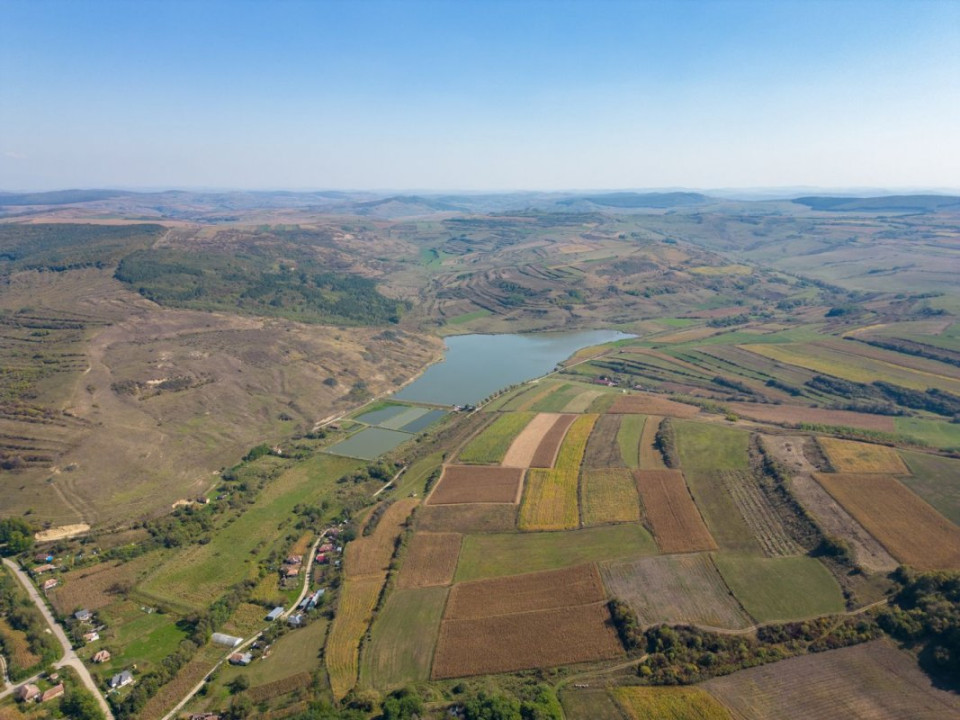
797,414
674,517
546,452
579,585
524,446
61,533
647,404
477,484
473,518
431,559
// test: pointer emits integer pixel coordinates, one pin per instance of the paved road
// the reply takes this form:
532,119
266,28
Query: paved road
69,656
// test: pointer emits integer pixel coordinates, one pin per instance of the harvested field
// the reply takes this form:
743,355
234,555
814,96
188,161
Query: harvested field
477,484
358,597
524,447
97,586
475,518
874,681
675,589
550,501
650,456
758,514
431,559
543,638
603,447
796,414
589,704
546,453
609,496
632,429
372,554
672,514
647,404
492,444
847,456
403,639
669,703
910,529
578,585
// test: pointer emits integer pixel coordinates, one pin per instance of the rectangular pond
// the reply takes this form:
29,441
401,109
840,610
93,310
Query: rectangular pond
369,444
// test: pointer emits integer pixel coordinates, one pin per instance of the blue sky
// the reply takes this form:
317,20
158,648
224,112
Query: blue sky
473,95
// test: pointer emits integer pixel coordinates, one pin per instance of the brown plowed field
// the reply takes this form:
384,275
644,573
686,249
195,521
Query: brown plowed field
675,519
475,518
371,554
431,560
477,484
524,446
796,414
910,530
603,449
646,404
650,457
579,585
543,638
546,453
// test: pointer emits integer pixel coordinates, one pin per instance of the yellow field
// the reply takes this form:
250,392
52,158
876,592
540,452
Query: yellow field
609,496
847,456
550,496
670,703
358,597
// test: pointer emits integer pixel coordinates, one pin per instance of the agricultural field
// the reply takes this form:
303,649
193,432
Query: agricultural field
847,456
670,703
470,518
712,447
797,414
649,455
721,512
492,444
937,480
675,589
558,399
647,404
910,529
671,512
187,677
524,446
603,447
935,433
477,484
629,438
550,441
371,554
358,597
430,559
540,638
495,555
874,680
757,513
100,585
589,704
403,638
780,588
609,496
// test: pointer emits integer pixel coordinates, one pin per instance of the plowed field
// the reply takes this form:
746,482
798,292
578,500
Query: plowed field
795,414
645,404
431,559
475,518
910,530
524,446
477,484
675,519
603,448
546,452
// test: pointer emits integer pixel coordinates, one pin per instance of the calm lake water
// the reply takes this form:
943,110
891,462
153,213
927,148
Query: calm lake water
476,366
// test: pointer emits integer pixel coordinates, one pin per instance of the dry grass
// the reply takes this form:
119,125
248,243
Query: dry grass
847,456
97,586
796,414
475,518
676,521
546,452
910,530
603,448
371,554
579,585
609,496
477,484
358,597
543,638
431,559
524,447
189,675
17,647
650,457
647,404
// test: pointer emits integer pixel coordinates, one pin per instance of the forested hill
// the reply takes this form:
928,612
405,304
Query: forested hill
890,203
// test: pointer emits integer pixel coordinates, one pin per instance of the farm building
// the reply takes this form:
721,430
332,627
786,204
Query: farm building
83,615
225,640
43,558
240,659
27,692
54,692
92,636
291,570
41,569
325,548
50,584
294,559
274,614
102,656
295,620
121,679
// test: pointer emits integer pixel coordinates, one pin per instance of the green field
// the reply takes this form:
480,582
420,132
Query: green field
492,444
495,555
200,573
136,637
937,433
631,427
936,479
557,400
402,639
720,512
782,588
711,447
589,704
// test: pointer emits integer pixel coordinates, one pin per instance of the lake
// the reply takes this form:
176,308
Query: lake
476,366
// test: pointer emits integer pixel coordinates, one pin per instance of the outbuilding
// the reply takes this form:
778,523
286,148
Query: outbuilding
274,614
225,640
121,679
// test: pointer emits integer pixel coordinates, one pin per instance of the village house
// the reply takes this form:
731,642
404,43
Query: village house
41,569
43,558
83,615
54,692
295,620
101,656
28,692
121,679
91,636
294,559
291,571
49,584
240,659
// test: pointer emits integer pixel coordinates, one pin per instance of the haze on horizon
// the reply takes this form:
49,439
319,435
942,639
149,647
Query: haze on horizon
492,95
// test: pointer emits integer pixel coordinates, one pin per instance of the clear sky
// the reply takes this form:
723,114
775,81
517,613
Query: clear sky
479,95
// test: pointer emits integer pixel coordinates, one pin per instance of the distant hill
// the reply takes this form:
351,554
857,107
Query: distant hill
641,200
889,203
58,197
